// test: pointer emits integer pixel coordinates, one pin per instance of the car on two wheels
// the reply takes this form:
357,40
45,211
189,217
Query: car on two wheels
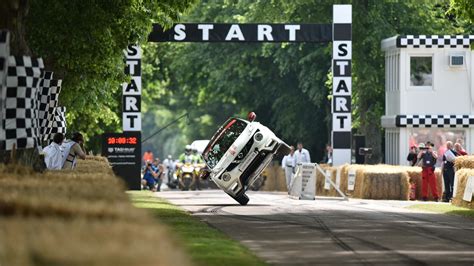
237,154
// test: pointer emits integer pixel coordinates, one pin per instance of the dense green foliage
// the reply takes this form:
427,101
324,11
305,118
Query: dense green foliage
83,43
287,85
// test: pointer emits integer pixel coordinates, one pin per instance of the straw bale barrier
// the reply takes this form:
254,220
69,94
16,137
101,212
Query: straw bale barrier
275,178
462,176
464,162
372,181
80,217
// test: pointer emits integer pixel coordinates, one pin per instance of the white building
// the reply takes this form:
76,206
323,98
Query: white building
429,93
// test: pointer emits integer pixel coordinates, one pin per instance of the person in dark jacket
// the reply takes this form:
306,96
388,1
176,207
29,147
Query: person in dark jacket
413,156
448,170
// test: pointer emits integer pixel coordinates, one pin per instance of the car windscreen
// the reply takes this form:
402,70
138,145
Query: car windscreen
223,140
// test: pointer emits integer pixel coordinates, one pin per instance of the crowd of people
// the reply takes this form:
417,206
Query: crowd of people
63,154
426,157
155,172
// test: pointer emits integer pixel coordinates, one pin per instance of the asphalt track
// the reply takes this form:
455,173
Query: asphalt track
326,231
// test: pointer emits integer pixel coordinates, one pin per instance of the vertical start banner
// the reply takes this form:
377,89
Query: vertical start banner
342,84
123,150
131,99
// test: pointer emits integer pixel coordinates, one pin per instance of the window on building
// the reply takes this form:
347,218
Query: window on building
421,71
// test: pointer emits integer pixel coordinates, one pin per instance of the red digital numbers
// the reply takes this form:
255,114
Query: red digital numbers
122,140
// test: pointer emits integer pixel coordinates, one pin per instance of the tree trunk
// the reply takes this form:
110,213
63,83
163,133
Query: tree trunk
373,137
12,18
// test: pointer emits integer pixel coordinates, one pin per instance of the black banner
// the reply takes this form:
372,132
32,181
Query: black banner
123,150
211,32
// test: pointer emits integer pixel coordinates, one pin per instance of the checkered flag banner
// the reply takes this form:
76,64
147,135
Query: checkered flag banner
4,54
446,121
48,100
59,121
435,41
21,110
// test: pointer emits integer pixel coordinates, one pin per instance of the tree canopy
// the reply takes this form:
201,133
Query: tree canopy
82,42
288,85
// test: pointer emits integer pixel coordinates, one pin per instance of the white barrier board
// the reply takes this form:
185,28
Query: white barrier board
469,189
351,179
303,183
327,184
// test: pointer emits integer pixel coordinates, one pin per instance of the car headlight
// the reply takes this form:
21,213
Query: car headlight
226,176
258,136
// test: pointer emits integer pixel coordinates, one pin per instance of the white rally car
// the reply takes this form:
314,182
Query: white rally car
238,152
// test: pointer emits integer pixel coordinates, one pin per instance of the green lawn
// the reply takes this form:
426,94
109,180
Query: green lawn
206,245
444,208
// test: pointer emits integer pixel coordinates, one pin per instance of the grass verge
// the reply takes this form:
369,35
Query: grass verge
206,245
445,209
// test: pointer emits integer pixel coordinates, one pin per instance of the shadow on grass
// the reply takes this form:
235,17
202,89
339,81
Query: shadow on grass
206,245
445,209
465,213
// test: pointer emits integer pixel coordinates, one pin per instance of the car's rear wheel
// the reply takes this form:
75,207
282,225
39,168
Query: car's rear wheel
242,199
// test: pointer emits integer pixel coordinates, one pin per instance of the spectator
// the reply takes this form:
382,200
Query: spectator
53,153
327,155
170,167
288,163
448,170
302,155
428,160
72,149
459,149
147,156
412,156
149,174
158,173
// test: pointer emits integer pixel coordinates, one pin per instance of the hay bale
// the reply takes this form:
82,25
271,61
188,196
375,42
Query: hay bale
85,219
414,174
389,185
275,178
53,241
462,176
464,162
320,181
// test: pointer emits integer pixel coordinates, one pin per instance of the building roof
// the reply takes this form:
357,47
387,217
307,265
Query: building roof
428,41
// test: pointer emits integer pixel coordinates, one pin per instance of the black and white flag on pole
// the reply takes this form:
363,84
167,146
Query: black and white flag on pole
21,113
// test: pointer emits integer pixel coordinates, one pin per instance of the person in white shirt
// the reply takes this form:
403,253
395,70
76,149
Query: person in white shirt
288,164
53,153
302,154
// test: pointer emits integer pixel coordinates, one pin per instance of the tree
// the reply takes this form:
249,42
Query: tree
288,84
83,42
463,8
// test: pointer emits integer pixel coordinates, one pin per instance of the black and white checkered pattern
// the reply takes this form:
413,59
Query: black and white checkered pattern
451,121
48,101
4,54
59,121
435,41
21,112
